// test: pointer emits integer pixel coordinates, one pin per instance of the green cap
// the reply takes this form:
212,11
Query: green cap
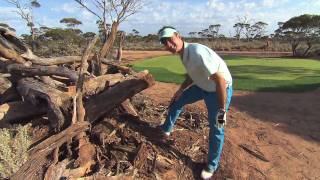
167,33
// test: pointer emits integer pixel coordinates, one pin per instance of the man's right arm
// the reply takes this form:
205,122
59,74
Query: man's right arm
186,83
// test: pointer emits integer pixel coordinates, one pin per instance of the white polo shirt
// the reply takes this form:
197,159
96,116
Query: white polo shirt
201,62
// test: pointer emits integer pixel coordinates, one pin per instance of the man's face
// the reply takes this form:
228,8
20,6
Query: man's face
173,44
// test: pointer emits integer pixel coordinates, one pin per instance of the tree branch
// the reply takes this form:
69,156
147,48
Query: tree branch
84,6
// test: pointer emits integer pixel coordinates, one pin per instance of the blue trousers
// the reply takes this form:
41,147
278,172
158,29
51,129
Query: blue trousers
216,135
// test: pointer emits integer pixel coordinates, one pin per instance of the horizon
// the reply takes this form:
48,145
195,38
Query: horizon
190,16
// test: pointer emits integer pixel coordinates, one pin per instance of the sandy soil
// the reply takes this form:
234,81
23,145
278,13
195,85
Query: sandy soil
283,129
132,56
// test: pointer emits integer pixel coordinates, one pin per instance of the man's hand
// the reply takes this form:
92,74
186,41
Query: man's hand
176,96
221,118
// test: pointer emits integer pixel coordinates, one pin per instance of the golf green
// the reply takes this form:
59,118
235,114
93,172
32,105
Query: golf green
253,74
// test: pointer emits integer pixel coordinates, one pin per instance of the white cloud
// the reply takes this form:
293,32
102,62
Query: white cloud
87,16
268,3
216,5
250,5
10,17
316,3
67,7
8,13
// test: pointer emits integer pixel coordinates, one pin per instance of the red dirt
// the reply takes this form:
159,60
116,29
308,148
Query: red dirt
283,127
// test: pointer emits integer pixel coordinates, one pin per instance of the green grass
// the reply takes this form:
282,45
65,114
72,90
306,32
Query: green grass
253,74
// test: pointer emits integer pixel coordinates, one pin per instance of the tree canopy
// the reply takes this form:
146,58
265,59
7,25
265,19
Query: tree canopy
298,29
70,22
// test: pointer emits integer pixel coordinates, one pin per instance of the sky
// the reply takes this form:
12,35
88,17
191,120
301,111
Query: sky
185,15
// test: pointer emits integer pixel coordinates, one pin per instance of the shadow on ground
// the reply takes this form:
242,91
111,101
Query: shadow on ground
295,113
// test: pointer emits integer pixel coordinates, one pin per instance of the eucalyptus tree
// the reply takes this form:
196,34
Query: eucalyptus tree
25,11
238,28
70,22
214,30
304,28
116,10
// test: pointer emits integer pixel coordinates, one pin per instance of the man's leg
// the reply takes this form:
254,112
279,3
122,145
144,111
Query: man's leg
190,95
216,135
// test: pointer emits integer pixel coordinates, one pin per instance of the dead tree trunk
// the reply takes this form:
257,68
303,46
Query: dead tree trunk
121,40
42,94
102,103
107,46
78,104
42,71
14,112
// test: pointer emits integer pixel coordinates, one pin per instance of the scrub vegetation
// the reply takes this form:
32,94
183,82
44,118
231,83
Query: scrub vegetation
14,146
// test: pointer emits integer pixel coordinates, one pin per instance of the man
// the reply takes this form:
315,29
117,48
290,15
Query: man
207,78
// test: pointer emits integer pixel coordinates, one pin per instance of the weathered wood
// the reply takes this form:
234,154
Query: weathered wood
56,60
121,40
141,157
86,157
14,49
78,104
9,39
128,108
27,110
55,171
98,84
53,83
96,68
122,69
14,112
37,70
12,55
10,95
100,177
100,104
57,101
107,45
38,155
5,84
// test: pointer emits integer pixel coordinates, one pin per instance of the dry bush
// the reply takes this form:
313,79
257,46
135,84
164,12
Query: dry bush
14,146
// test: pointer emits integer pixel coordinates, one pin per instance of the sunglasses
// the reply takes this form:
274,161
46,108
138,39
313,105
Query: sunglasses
164,40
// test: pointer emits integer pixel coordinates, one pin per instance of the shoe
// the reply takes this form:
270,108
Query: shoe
163,133
167,134
205,174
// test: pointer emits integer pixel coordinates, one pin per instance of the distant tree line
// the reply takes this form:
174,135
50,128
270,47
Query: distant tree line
301,32
304,29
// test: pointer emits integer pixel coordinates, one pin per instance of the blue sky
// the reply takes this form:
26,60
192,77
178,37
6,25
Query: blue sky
185,15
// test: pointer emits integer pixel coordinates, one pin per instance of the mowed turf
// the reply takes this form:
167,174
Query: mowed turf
253,74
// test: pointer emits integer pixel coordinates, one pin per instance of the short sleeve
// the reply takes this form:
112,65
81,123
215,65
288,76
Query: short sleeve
210,63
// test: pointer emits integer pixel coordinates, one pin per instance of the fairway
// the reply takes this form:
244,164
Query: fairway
253,74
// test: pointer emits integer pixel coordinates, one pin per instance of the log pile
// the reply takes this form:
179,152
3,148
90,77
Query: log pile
74,94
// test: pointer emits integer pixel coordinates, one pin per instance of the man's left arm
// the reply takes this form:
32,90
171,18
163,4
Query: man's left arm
221,118
220,89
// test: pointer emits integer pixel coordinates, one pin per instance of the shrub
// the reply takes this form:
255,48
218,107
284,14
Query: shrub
14,146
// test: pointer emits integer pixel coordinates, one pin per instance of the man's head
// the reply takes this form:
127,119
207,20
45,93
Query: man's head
170,38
